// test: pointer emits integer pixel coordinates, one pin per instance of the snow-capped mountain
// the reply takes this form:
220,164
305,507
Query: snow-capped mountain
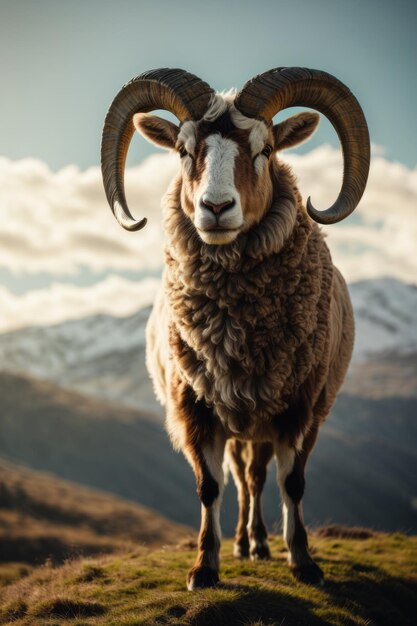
100,355
104,355
386,317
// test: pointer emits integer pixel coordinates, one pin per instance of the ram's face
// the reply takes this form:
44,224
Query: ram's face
226,166
226,182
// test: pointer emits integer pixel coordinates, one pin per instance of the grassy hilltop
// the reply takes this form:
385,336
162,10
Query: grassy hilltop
370,577
46,518
73,556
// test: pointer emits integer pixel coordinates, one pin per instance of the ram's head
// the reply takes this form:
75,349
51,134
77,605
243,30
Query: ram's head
226,141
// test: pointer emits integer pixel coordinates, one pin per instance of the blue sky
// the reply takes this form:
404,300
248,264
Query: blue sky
62,62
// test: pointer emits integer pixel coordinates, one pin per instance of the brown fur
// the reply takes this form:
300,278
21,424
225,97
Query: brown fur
248,332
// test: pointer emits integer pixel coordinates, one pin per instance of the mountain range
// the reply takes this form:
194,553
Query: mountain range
77,402
103,356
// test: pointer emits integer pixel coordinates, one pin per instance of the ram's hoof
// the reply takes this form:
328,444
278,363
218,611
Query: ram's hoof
309,574
202,577
241,550
260,551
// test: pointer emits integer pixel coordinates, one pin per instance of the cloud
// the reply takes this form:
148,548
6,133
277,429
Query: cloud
57,222
60,302
379,239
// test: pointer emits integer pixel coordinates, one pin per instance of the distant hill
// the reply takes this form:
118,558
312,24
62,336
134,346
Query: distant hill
362,471
95,443
77,401
370,581
104,356
43,517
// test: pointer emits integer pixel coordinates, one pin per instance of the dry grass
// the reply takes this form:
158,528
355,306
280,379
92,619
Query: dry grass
42,517
370,581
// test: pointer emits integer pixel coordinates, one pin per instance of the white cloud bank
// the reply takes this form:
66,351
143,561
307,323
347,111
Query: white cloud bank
60,302
380,239
59,222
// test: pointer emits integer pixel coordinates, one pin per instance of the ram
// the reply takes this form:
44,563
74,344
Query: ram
250,338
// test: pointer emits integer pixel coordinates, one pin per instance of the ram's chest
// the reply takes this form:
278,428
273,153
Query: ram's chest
229,341
245,359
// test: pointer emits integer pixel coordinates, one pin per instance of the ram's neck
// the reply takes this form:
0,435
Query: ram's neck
266,239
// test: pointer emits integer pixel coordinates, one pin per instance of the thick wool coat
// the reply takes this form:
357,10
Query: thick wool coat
251,325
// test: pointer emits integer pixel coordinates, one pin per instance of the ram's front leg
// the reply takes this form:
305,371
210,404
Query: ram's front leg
207,464
291,466
201,437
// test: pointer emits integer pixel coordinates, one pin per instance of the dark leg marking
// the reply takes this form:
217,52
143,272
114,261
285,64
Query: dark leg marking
295,483
207,487
291,465
205,572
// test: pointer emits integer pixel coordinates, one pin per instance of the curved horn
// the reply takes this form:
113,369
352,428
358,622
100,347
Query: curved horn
174,90
283,87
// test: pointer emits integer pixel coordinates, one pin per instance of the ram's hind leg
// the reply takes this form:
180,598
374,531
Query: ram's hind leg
259,455
236,458
291,465
248,464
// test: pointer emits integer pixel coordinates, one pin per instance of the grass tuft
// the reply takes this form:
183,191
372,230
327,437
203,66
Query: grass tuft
90,573
67,609
344,532
15,610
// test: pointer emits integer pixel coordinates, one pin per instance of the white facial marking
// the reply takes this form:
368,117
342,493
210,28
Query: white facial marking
259,163
217,184
218,187
257,137
219,173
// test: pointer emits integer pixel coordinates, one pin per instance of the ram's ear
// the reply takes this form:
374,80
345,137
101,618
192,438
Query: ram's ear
295,129
156,130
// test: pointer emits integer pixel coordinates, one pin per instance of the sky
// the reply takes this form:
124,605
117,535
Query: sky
62,255
63,62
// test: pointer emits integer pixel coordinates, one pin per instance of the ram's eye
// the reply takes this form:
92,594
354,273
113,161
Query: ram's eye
267,151
183,152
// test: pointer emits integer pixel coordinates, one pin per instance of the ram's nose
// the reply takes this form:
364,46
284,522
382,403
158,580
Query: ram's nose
217,209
